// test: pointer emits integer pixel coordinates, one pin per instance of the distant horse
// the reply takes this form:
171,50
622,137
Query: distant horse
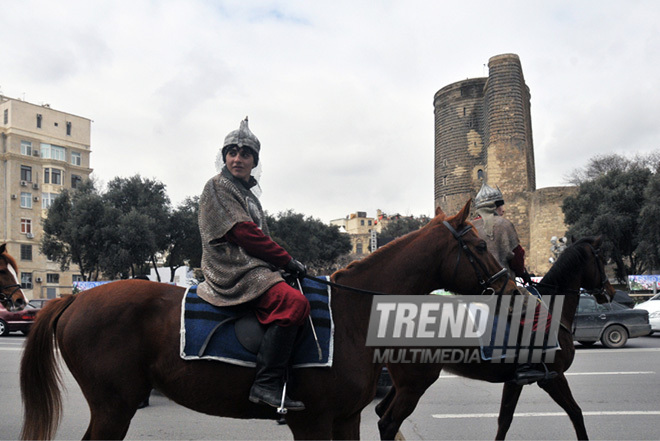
121,339
578,266
11,295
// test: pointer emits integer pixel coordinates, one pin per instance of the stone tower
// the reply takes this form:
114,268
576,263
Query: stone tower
483,132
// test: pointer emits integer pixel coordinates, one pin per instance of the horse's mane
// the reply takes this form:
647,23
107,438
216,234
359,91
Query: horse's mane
572,257
381,253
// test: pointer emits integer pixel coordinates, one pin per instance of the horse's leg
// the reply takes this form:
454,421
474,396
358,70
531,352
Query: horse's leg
559,390
510,395
110,421
347,428
386,401
305,427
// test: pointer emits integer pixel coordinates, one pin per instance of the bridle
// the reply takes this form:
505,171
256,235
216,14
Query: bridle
479,267
4,298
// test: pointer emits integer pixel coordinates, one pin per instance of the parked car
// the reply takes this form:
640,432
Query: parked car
611,323
623,298
15,321
38,303
653,307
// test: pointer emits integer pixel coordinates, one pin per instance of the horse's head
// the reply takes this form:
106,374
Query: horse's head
468,267
11,295
584,256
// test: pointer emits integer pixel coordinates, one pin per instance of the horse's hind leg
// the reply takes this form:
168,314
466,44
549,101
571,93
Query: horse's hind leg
109,422
559,390
386,401
510,396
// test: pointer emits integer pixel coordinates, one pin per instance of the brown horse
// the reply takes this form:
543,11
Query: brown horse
121,339
578,266
11,295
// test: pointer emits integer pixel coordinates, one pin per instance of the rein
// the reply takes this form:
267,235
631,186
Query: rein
485,284
476,264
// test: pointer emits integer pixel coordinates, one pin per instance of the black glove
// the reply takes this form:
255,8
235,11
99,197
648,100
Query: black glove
527,278
296,268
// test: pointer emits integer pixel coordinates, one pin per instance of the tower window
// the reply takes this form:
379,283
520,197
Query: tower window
480,174
39,120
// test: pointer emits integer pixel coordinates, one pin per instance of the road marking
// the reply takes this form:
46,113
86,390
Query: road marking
545,414
582,373
11,349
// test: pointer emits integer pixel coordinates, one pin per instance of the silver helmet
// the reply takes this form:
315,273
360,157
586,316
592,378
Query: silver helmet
487,195
243,137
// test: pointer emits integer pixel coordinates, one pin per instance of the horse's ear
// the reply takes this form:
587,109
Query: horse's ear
438,211
598,241
571,239
463,214
3,248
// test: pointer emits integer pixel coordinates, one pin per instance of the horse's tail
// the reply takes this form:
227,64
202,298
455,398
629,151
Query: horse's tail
40,375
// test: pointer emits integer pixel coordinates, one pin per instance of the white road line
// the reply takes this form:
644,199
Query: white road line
545,414
11,349
448,376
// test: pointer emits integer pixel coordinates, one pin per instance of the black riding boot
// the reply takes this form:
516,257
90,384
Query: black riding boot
527,373
272,361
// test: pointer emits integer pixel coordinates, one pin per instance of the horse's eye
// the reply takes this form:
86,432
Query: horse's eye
482,247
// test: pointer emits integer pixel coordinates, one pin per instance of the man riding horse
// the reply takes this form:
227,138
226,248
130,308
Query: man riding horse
241,263
503,243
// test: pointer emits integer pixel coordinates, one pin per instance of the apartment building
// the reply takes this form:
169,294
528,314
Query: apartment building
42,151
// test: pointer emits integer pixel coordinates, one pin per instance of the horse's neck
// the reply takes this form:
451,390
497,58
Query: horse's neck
571,294
398,269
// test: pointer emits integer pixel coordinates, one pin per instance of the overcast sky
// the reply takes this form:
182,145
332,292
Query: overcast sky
340,93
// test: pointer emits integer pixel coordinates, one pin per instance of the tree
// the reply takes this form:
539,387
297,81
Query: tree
615,200
145,214
74,230
309,240
398,225
185,242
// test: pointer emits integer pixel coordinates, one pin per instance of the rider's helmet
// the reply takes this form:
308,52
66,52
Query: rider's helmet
242,137
487,195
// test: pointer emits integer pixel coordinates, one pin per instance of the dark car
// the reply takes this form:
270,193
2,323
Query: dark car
623,298
15,321
611,323
39,303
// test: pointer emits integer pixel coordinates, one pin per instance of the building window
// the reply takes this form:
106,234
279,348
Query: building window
358,248
52,278
26,252
76,181
26,173
47,199
480,174
26,148
26,200
49,151
76,158
26,226
68,128
6,119
77,278
26,280
369,222
52,176
38,120
362,223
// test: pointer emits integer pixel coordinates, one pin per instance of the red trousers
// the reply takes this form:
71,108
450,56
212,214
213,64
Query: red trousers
282,305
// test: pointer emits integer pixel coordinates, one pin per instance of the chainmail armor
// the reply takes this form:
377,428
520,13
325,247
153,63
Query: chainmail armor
232,276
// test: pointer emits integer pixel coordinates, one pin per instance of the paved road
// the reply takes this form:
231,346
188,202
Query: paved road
617,390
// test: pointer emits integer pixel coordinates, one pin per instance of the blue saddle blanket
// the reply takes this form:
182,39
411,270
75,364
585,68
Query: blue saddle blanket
199,319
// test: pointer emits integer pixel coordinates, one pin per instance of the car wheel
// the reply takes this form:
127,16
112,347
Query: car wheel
586,343
4,330
615,336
